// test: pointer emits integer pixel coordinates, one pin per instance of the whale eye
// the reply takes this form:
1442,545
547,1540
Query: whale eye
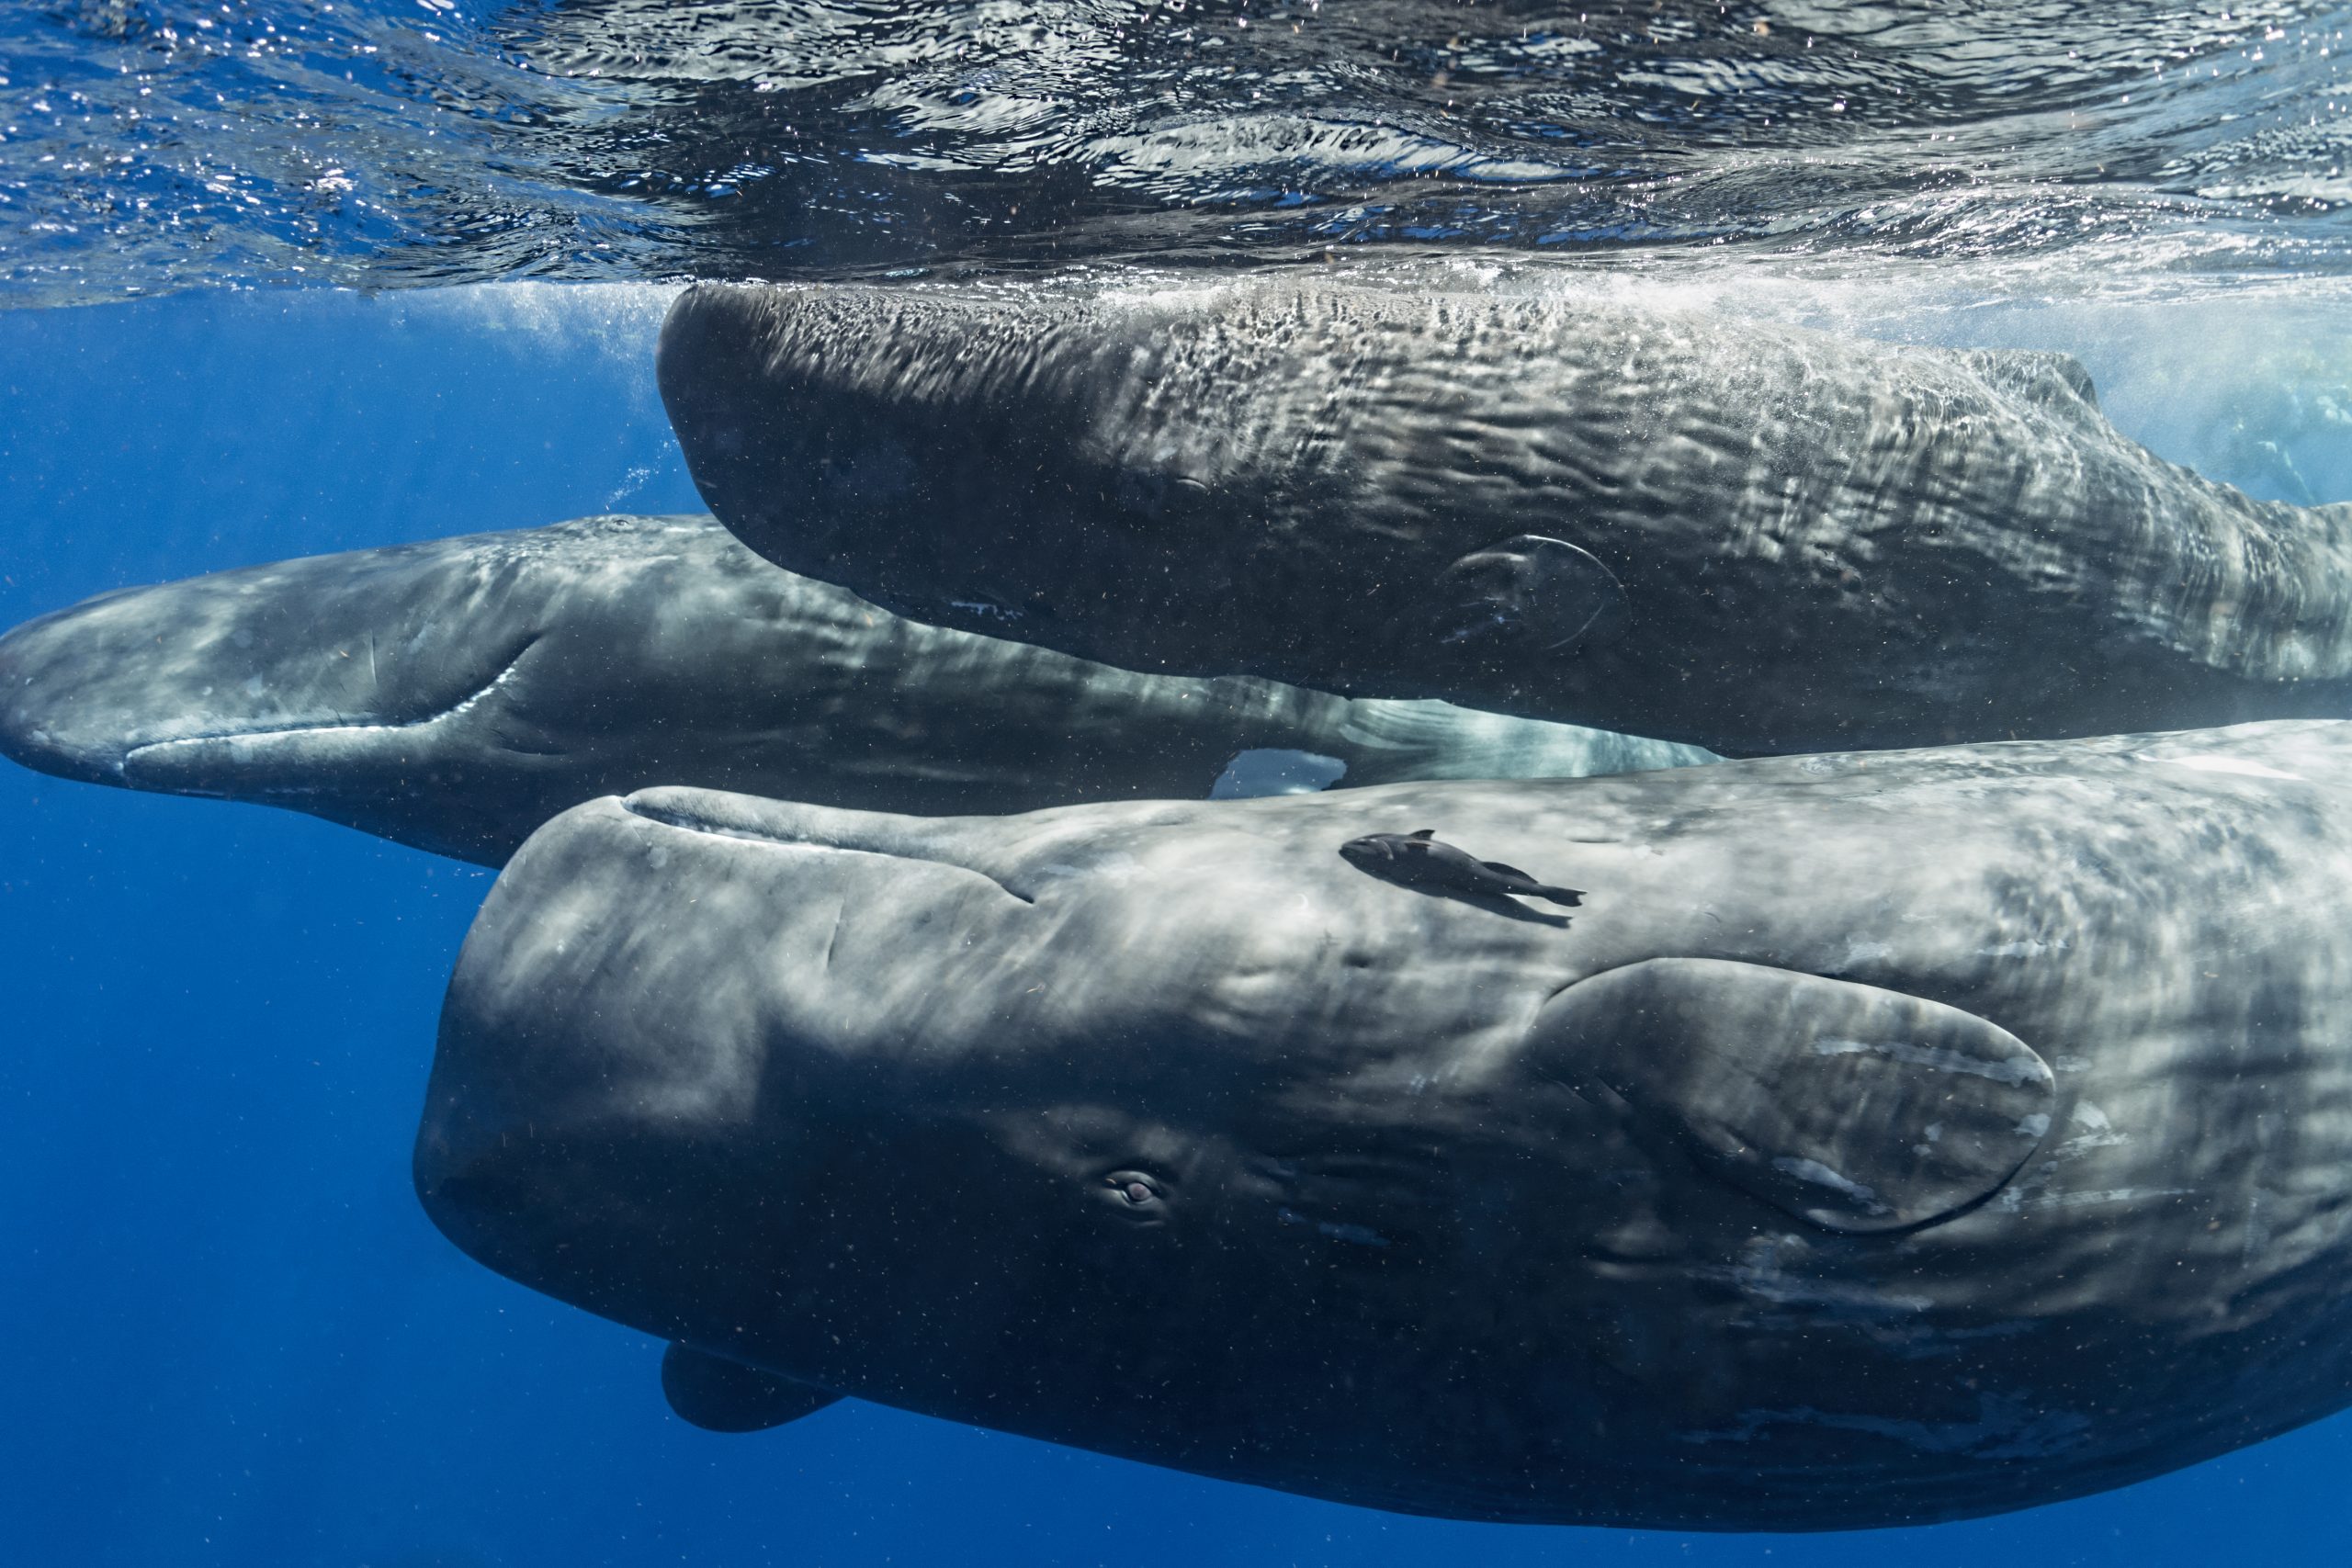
1134,1189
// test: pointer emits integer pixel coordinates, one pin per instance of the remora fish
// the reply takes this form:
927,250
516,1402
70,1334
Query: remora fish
1419,860
456,694
1893,1137
1754,537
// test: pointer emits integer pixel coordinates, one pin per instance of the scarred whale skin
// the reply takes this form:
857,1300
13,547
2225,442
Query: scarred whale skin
1750,536
1888,1137
456,694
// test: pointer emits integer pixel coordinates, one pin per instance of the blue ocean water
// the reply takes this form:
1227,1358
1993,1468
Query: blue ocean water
234,1339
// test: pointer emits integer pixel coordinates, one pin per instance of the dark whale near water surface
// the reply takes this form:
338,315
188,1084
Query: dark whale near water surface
457,694
1889,1137
1758,538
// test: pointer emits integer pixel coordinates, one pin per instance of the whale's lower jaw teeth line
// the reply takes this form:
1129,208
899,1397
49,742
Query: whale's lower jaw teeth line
711,827
696,823
328,726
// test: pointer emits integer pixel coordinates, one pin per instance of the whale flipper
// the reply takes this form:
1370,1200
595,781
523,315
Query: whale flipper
1530,593
1854,1109
720,1395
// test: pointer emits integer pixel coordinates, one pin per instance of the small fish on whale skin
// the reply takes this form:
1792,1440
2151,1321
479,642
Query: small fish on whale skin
1418,860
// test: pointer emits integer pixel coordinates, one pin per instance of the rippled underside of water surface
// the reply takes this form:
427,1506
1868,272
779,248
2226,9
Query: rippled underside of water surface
152,144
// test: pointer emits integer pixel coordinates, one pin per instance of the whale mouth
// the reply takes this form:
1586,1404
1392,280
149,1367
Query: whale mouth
784,827
221,761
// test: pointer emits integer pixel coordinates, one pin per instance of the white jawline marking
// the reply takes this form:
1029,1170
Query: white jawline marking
688,822
335,725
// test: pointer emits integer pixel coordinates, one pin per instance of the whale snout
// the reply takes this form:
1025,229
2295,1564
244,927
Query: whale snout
813,443
558,1134
57,714
128,687
678,994
390,690
674,989
581,1198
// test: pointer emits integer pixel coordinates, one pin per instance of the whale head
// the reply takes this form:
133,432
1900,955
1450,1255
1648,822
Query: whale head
890,1105
451,694
1052,453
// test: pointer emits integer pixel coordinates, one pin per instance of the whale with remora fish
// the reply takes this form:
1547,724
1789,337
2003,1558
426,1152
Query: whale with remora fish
1751,537
1887,1137
457,694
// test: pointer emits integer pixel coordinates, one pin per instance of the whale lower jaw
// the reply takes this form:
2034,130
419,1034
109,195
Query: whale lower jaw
180,763
780,826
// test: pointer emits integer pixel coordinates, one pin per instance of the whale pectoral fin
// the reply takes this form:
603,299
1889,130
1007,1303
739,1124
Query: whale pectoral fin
2037,375
720,1395
1851,1108
1530,594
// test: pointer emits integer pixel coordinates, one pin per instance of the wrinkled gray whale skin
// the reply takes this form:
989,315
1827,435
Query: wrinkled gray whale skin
1754,537
456,694
1889,1137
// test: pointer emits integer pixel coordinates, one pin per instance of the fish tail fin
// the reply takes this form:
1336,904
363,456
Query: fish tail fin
1570,897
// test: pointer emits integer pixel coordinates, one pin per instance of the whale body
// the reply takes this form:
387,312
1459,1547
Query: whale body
455,695
1884,1138
1754,538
